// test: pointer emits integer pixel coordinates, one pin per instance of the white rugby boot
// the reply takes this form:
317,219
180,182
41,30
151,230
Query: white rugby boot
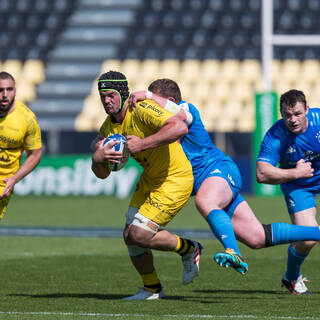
144,294
296,286
191,263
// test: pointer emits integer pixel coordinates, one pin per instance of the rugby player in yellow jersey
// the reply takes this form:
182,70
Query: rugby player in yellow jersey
19,131
163,188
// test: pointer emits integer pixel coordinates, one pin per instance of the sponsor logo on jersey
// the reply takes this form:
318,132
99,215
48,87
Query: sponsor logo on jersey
291,150
310,155
215,171
151,107
154,203
291,203
8,140
155,109
230,179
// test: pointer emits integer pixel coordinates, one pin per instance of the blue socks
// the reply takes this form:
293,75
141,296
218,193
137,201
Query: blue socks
287,233
294,262
221,226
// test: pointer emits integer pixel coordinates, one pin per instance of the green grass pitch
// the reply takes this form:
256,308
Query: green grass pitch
85,278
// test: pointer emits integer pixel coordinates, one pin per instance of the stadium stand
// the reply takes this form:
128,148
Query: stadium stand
212,48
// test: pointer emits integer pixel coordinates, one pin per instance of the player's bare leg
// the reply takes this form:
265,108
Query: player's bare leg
212,197
163,240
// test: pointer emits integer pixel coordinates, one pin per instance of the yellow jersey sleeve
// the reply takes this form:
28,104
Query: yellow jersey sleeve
32,139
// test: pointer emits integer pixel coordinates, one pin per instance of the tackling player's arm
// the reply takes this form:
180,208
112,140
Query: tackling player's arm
267,173
32,160
172,130
168,104
101,155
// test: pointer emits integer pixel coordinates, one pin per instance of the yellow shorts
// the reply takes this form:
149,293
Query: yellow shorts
161,203
4,201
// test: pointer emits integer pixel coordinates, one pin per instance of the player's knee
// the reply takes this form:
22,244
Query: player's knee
203,206
136,252
255,240
256,243
136,237
260,237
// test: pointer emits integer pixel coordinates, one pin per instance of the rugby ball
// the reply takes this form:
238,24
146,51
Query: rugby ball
121,146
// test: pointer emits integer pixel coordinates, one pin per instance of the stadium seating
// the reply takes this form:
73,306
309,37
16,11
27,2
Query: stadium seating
13,66
212,48
223,91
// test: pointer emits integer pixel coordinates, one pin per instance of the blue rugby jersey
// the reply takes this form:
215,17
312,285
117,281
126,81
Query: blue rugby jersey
197,144
286,148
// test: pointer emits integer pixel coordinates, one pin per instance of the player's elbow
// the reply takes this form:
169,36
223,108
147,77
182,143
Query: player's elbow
177,126
99,172
184,130
261,176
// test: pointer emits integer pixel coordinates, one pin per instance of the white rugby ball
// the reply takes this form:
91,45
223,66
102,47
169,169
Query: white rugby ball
121,146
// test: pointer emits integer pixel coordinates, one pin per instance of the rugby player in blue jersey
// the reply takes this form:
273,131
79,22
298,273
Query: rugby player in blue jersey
294,143
217,186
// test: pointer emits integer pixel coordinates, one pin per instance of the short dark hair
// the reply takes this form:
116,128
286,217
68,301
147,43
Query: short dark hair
291,97
166,88
6,75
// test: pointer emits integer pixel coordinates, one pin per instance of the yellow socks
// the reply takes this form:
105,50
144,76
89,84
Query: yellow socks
151,282
184,246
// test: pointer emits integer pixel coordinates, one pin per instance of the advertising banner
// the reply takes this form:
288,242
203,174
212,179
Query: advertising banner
72,175
266,116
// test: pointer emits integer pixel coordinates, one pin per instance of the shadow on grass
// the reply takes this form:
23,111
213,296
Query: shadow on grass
250,292
91,296
71,295
203,297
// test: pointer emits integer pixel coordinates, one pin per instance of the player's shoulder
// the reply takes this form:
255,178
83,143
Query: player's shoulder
314,109
314,115
24,110
278,130
150,107
149,104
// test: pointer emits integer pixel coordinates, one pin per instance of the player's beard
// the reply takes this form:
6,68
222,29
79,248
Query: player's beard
112,110
4,109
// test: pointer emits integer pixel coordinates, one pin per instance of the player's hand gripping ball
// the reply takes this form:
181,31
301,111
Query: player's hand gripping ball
121,146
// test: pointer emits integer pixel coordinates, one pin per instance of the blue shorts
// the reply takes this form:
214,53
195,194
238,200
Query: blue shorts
232,206
298,198
227,170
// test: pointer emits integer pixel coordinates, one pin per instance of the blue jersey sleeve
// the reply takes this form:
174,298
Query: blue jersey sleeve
271,146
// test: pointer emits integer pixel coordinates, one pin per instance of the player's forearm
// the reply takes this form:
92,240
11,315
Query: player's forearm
32,160
100,170
172,107
98,166
269,174
170,132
